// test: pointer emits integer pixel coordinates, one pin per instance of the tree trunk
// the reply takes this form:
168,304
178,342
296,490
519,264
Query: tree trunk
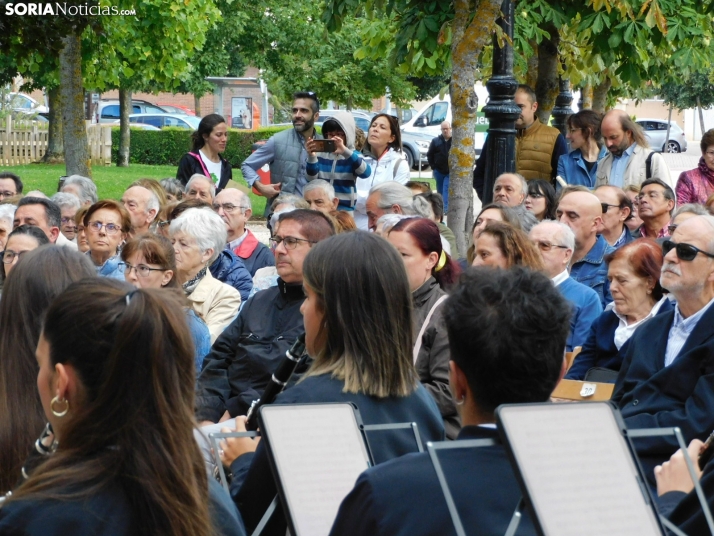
586,97
701,115
74,130
124,132
546,87
469,38
532,74
600,95
669,125
197,105
55,147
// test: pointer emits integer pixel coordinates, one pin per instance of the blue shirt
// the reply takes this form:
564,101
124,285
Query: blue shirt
591,270
680,331
619,165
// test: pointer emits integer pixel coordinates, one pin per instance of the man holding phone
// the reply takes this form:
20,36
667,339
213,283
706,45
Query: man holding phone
336,160
285,152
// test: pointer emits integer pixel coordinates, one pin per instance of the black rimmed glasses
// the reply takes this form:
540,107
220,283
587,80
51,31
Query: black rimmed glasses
606,207
685,252
290,242
9,256
142,270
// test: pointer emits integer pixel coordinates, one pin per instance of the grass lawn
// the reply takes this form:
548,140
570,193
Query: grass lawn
111,180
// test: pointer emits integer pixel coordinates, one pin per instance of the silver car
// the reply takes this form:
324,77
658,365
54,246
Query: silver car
656,132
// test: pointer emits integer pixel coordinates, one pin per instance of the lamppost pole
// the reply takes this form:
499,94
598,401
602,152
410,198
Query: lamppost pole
501,109
563,103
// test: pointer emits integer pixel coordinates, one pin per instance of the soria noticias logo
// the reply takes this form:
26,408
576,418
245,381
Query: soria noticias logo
63,8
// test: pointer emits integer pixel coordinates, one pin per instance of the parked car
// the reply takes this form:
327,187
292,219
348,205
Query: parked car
362,119
140,126
166,120
19,102
108,109
415,146
656,132
176,109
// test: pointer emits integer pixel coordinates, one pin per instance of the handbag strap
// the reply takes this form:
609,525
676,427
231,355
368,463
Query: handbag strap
417,345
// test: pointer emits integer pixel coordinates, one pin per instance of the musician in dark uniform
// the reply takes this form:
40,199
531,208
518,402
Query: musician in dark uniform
403,496
358,330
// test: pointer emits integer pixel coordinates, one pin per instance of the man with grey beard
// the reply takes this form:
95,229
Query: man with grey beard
667,374
285,152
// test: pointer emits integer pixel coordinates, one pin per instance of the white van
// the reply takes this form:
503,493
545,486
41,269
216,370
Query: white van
436,111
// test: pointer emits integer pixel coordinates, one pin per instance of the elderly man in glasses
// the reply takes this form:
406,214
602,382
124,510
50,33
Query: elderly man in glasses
556,243
667,374
234,208
616,210
246,354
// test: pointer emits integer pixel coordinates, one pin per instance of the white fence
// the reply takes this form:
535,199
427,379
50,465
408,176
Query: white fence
25,142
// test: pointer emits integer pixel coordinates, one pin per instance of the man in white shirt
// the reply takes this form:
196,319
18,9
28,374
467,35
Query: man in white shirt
667,375
556,243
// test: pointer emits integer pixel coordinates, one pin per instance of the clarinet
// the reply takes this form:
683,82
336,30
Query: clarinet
278,381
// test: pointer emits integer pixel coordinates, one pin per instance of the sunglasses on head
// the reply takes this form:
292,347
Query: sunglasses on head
685,252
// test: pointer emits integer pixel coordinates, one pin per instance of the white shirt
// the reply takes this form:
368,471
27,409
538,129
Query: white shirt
680,331
214,168
238,241
560,278
624,331
63,241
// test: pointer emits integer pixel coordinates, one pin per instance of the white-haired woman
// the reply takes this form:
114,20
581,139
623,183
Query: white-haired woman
198,236
7,213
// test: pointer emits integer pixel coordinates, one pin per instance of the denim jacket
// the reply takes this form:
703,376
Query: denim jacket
571,167
591,270
111,268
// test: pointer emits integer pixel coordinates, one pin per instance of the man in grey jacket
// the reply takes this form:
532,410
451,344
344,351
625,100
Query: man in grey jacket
285,152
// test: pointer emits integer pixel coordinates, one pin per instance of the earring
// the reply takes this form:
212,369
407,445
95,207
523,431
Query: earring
461,402
56,413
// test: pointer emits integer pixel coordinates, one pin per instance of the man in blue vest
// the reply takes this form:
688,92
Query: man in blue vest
285,152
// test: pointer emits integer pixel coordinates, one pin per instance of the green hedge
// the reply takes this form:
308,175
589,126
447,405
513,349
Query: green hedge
166,147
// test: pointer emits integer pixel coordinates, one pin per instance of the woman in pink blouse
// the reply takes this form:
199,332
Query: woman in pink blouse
696,185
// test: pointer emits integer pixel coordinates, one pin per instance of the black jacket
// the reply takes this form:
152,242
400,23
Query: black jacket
438,154
190,164
247,353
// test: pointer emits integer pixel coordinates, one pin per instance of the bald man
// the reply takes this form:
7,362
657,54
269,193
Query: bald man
629,161
510,189
438,157
580,210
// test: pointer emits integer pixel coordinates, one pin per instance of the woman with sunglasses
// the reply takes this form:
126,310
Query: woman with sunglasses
579,166
149,262
633,272
106,225
541,200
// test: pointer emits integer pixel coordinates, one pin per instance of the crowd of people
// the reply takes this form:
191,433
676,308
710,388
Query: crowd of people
126,325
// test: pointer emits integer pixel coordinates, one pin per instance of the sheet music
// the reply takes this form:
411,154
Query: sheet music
578,469
319,452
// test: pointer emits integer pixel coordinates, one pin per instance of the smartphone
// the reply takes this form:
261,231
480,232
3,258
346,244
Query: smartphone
324,146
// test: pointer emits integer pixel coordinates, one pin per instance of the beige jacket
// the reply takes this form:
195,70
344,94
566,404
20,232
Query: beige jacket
216,303
635,172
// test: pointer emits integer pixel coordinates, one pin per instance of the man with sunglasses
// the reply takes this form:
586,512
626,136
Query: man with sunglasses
246,354
556,243
286,152
656,201
616,210
667,374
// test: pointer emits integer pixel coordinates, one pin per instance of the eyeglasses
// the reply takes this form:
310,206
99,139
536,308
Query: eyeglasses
110,228
606,207
7,194
9,256
685,252
672,228
290,242
547,246
142,270
67,219
228,208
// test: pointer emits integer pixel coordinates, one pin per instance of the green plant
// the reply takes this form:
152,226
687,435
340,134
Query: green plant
166,147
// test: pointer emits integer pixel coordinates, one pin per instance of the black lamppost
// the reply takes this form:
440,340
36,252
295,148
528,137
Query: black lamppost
501,109
562,108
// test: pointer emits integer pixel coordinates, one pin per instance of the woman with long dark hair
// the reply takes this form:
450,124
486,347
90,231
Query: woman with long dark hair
430,271
116,381
42,274
204,157
540,200
360,338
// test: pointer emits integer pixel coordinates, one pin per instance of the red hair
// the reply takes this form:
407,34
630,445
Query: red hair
427,237
644,255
